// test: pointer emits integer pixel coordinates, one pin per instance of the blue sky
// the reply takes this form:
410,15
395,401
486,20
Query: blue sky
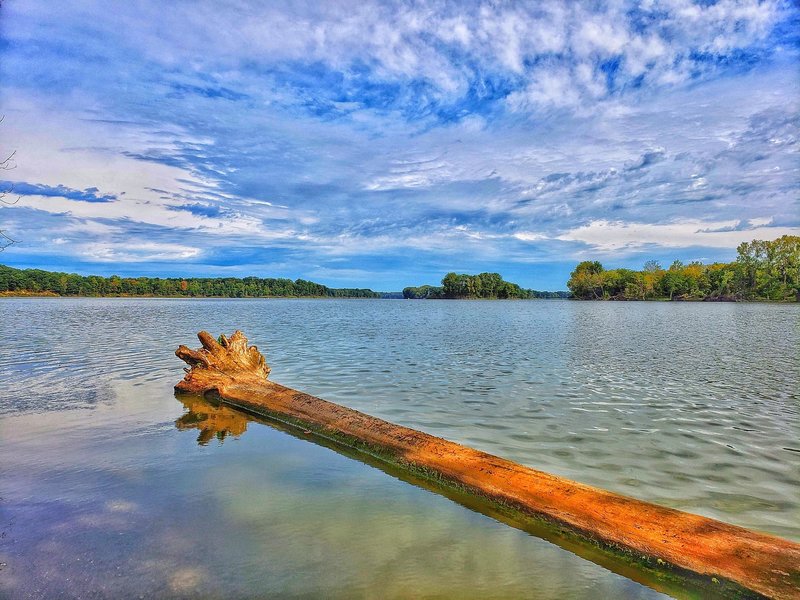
382,144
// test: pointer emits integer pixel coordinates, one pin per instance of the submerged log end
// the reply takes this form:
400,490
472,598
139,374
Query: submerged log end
220,362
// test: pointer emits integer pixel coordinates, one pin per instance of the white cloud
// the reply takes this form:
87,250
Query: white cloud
427,41
599,35
548,87
529,236
613,236
136,252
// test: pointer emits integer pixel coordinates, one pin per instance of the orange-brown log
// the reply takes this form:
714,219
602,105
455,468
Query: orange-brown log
236,373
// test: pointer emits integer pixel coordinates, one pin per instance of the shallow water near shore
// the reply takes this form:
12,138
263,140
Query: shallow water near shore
693,406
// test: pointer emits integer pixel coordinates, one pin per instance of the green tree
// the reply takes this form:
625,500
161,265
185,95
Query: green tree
763,270
586,281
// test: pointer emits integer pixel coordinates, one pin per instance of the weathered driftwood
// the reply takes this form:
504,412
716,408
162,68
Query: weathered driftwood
236,374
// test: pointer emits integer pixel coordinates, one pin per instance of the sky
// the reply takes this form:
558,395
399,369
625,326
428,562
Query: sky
383,144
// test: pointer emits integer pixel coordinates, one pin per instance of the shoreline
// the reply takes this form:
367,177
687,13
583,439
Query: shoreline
41,296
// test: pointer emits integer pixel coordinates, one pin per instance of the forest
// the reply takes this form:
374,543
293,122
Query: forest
763,270
38,282
490,286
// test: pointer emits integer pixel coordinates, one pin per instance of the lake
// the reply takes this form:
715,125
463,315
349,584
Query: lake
112,487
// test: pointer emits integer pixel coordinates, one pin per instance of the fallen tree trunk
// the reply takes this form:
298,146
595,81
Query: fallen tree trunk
235,373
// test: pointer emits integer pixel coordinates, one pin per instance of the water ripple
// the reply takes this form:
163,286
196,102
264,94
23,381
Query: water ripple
693,405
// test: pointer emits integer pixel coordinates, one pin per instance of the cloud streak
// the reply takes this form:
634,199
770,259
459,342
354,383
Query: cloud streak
90,194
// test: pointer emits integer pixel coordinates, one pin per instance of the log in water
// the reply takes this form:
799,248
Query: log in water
236,374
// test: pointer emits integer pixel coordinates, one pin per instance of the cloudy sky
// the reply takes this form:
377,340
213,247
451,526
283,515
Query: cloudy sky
383,144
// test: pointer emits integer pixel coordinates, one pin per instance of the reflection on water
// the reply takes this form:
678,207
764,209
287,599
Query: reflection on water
212,420
219,420
689,405
123,502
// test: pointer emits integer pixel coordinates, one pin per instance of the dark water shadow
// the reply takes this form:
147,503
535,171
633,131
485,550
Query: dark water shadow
215,420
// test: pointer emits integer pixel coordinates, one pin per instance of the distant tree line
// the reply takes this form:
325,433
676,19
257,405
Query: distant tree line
35,281
763,270
484,285
423,292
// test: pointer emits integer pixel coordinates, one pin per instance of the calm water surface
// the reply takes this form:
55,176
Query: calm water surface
111,487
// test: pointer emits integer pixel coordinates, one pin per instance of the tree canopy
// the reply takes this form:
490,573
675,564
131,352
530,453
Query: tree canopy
35,281
482,286
763,270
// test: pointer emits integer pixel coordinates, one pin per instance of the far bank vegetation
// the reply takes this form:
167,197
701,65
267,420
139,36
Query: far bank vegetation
763,270
487,286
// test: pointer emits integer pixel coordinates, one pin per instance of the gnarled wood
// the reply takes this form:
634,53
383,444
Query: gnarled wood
760,563
221,362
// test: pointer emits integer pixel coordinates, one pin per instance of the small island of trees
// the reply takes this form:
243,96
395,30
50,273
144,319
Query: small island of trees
487,286
763,270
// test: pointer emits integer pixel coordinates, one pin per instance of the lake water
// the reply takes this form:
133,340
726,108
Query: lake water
103,494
